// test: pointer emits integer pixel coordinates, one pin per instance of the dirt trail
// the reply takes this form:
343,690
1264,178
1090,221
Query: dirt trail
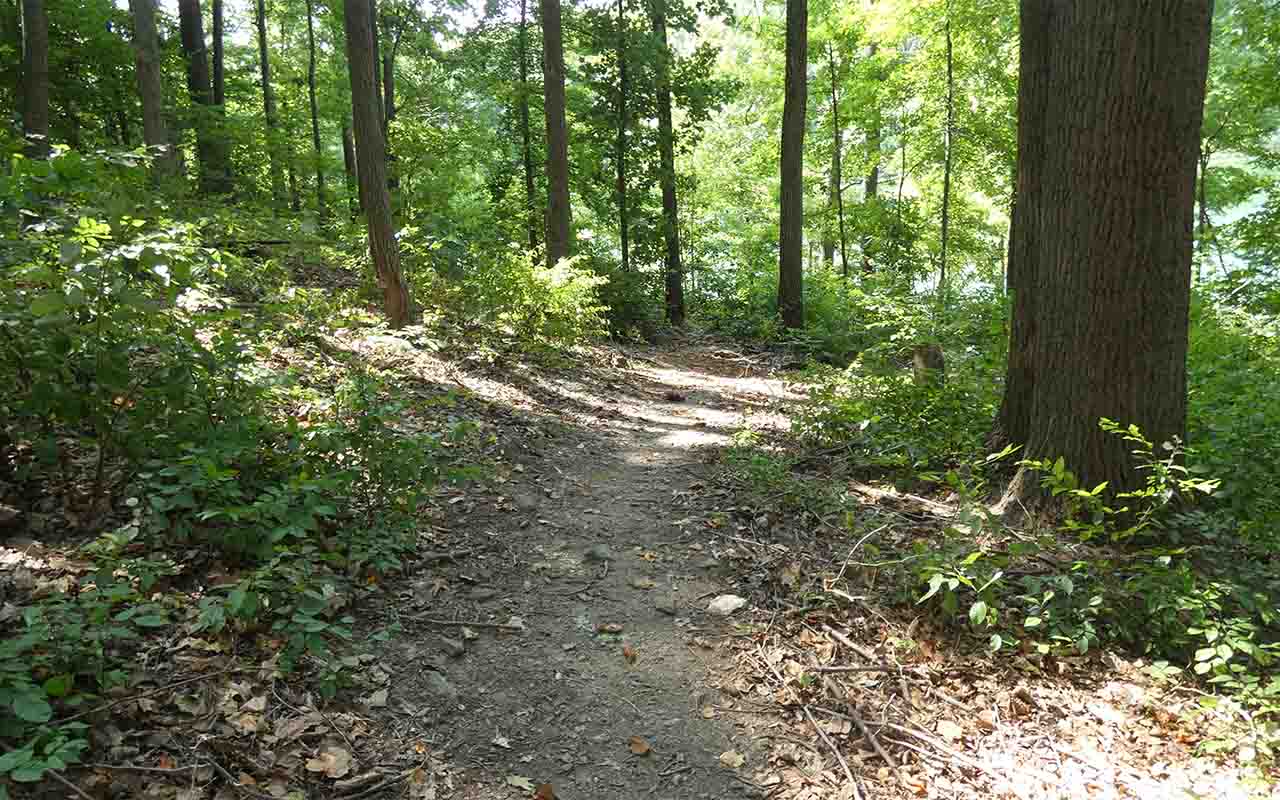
589,535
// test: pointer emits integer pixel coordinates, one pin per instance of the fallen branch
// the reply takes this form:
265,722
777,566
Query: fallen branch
158,690
386,784
870,737
236,784
849,643
452,555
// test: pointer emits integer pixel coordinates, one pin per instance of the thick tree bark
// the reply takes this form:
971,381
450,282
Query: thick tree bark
269,107
791,214
371,153
210,151
377,64
526,134
624,222
146,49
948,132
674,271
558,213
35,77
322,201
1109,114
836,171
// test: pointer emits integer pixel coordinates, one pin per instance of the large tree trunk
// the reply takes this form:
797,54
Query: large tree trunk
210,152
371,153
1109,113
948,131
269,107
147,66
836,170
667,158
322,202
377,65
558,244
791,215
624,222
35,77
526,134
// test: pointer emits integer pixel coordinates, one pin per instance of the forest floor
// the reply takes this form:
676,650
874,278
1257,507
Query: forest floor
610,611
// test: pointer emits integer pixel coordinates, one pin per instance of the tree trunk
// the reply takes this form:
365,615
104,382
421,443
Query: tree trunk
147,66
1109,112
269,107
349,167
322,202
210,152
526,134
791,213
371,153
377,65
624,223
871,187
219,79
290,155
835,164
558,245
947,133
667,158
35,78
1202,233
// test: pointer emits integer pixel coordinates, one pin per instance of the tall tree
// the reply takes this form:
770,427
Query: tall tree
558,244
667,169
948,133
624,222
35,77
269,106
210,151
1100,267
147,67
526,135
349,165
322,203
791,214
372,159
836,172
219,75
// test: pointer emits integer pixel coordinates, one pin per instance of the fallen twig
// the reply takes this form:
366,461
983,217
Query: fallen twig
157,690
849,643
848,773
870,737
235,784
377,787
450,555
57,776
464,623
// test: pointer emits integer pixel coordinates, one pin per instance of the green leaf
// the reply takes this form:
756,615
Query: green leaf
15,758
48,303
1032,622
978,613
995,642
32,707
151,621
59,685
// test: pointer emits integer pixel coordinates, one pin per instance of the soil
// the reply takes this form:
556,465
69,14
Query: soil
591,548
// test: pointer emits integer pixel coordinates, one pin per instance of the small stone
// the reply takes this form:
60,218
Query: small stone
10,517
481,594
439,686
726,604
599,552
453,647
525,501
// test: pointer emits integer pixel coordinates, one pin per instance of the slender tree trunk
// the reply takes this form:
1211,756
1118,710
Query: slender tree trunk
947,133
147,66
871,187
667,158
219,77
526,134
1100,268
349,167
290,154
835,164
624,223
558,213
377,64
210,151
269,107
372,159
1202,202
791,216
35,78
322,201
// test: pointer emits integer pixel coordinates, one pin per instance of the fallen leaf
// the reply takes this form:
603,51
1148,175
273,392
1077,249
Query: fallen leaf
258,703
789,575
987,719
608,627
378,699
332,761
438,585
521,782
545,792
732,759
639,746
246,723
629,653
949,730
726,604
501,741
708,712
642,583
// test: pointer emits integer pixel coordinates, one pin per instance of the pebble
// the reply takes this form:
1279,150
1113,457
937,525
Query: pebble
599,552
